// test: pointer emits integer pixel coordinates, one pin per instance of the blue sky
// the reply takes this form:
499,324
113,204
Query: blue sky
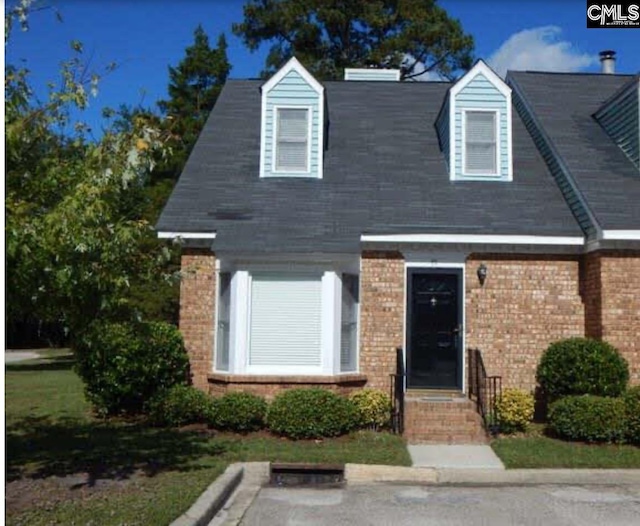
145,36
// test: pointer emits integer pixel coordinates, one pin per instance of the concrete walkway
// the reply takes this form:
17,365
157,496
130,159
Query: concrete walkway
454,457
19,356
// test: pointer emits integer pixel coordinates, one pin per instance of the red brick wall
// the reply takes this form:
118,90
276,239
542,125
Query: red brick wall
197,311
620,304
526,303
381,315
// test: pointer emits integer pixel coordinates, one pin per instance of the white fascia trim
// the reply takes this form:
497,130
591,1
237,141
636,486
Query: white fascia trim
452,138
186,235
492,76
293,64
473,238
621,235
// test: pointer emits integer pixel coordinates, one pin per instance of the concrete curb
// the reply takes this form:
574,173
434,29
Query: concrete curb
212,499
367,474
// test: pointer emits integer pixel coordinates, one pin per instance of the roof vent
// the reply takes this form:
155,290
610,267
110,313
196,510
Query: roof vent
374,74
608,61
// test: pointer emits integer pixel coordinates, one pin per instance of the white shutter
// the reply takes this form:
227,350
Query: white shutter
223,327
349,325
480,142
285,325
292,139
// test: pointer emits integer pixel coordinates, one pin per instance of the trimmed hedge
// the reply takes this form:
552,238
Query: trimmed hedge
632,407
180,405
514,410
373,407
239,412
125,364
580,366
589,418
311,413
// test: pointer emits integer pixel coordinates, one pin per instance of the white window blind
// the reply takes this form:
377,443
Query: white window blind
480,142
292,148
285,320
349,326
223,328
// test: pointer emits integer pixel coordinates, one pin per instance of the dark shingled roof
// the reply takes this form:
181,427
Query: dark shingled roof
564,105
383,173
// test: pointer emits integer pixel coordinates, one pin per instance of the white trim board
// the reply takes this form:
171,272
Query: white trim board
186,235
473,238
621,235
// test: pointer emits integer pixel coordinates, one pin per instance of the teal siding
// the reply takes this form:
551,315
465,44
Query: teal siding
442,127
480,93
554,163
292,90
620,118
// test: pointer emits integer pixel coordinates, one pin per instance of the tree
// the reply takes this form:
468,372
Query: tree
194,86
74,227
329,35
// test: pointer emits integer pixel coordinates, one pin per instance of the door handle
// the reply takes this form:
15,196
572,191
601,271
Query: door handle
457,330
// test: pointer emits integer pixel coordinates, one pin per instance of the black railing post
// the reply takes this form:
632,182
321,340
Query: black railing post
397,394
486,389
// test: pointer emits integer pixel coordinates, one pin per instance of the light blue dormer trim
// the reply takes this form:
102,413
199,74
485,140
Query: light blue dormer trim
479,90
292,87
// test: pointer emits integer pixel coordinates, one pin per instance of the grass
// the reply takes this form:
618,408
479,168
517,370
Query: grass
536,450
66,467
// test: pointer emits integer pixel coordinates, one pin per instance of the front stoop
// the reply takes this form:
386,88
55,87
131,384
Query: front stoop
442,420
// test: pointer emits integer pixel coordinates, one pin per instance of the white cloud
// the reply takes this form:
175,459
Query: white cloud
539,49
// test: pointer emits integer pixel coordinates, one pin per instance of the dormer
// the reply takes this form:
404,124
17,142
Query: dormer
292,131
474,127
620,118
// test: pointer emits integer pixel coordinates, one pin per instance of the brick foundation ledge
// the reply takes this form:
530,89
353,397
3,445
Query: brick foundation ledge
268,385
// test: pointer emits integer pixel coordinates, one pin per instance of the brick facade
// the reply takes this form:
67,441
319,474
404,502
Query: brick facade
526,303
381,315
613,280
197,311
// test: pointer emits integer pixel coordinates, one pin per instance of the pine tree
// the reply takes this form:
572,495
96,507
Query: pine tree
194,86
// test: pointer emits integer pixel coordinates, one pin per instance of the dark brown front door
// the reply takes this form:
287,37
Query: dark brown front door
434,328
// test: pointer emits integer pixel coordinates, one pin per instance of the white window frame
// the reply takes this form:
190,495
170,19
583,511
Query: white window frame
498,171
274,145
331,316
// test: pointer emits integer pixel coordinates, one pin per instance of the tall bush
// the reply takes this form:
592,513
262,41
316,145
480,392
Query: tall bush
580,366
125,364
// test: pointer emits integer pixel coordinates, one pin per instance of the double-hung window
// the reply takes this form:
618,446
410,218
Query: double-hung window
480,143
292,140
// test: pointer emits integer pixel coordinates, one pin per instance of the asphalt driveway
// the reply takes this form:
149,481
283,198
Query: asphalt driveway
400,505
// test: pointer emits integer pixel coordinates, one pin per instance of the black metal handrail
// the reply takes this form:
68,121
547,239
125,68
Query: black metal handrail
397,394
484,390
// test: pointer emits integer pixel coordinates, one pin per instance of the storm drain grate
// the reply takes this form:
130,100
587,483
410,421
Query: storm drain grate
325,475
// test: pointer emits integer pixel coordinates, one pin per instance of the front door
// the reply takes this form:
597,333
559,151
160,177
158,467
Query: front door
434,328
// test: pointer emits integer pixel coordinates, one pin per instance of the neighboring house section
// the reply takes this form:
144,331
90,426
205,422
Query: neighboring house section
433,217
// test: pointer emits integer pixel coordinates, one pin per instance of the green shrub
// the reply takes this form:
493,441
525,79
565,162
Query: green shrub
239,412
589,418
125,364
580,366
632,408
178,406
514,410
311,413
373,407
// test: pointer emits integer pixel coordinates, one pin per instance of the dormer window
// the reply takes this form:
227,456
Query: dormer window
474,127
480,143
292,131
292,140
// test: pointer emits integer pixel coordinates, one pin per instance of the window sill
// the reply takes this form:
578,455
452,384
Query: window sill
341,379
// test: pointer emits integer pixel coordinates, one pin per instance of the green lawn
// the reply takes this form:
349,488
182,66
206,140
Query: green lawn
544,452
66,467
